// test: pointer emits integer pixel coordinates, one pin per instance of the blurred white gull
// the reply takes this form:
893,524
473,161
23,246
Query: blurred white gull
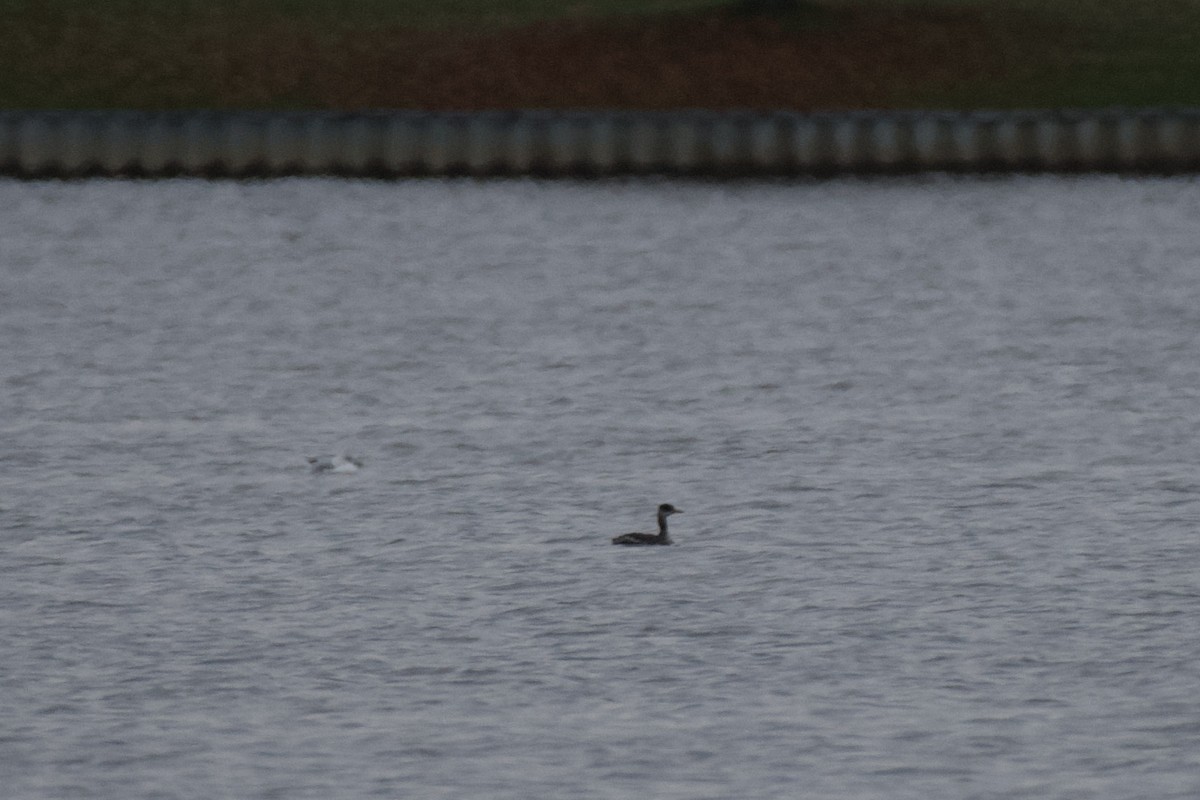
338,463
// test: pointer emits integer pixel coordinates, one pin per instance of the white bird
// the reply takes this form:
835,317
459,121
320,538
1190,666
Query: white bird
338,463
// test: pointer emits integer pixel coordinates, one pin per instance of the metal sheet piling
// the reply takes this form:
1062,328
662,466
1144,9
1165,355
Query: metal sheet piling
38,144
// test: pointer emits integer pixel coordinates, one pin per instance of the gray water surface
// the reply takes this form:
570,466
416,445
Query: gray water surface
935,442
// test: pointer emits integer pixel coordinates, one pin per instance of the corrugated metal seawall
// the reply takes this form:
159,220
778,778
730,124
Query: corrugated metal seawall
383,143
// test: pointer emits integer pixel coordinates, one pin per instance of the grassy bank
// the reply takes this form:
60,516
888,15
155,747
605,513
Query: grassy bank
475,54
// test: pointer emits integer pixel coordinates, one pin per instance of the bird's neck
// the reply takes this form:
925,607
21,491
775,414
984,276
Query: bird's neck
662,525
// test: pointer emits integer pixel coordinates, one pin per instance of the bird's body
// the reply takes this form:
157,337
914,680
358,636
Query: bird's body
640,538
664,511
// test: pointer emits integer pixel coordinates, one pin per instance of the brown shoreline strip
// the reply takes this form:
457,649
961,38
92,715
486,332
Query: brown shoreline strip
243,144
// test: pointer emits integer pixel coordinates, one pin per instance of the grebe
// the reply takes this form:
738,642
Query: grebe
664,511
342,463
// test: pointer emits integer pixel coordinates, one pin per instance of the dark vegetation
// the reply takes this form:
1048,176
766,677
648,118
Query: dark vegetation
485,54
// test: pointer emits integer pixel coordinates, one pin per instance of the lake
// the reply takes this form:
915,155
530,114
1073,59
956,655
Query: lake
934,440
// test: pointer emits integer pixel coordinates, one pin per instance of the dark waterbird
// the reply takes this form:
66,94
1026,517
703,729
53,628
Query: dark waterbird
664,511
